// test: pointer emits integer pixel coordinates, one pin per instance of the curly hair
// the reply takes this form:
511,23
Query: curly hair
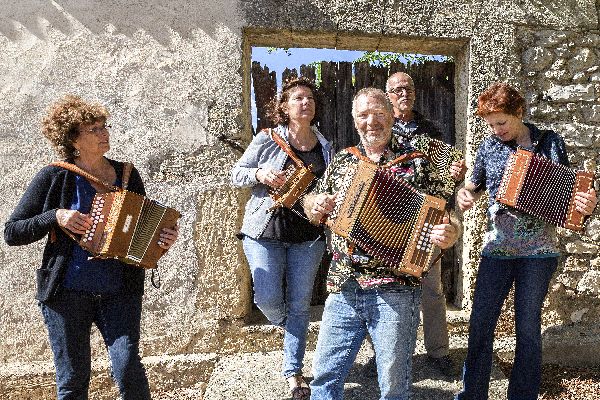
500,97
276,113
61,123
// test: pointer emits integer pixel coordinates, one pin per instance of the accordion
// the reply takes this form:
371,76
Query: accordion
537,186
441,155
297,180
388,218
127,226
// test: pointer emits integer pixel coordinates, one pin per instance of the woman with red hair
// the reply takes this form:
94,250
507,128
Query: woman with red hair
518,248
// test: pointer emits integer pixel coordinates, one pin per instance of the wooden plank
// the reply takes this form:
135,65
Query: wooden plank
328,126
288,74
378,76
265,89
346,133
362,78
308,71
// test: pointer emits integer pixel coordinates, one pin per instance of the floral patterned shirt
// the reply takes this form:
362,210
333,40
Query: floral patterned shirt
357,264
511,233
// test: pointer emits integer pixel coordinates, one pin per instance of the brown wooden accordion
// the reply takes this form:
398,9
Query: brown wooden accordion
127,226
388,218
297,180
537,186
441,155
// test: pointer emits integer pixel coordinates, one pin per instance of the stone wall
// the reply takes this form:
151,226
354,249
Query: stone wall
561,75
175,76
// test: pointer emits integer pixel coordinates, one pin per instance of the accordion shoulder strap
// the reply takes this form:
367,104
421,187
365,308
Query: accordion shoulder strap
403,158
75,169
285,147
127,168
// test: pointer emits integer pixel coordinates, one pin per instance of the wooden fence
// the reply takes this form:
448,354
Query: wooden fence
434,83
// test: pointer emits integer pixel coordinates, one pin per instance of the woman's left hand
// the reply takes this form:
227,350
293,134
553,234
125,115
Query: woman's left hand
444,235
168,237
585,202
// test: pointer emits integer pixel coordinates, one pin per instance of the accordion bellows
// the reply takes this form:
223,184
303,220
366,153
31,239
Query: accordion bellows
539,187
385,216
127,226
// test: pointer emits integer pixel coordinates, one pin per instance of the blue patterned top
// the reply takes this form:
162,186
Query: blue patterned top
511,233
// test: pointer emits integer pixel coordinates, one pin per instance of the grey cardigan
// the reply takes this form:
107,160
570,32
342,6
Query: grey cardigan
263,152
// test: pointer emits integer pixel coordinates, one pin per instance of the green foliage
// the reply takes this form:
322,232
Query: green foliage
318,76
271,50
386,59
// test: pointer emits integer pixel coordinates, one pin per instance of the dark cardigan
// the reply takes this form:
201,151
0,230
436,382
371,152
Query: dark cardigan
35,217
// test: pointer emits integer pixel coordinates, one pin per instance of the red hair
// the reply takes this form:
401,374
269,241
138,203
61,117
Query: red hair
500,97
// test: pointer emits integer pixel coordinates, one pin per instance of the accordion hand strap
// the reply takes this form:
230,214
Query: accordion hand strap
285,147
75,169
403,158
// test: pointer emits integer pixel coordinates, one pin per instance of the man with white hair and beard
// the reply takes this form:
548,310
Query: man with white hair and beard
366,297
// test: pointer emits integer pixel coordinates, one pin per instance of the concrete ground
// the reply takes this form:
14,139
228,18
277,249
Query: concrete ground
256,376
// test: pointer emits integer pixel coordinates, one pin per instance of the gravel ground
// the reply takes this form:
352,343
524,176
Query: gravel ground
565,383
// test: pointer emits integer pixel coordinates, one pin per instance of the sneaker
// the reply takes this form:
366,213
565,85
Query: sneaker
444,364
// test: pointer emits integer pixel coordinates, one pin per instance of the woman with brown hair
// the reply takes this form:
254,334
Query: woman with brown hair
280,243
519,249
75,290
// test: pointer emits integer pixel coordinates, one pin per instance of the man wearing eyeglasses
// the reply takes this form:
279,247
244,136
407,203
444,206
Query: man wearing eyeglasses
408,123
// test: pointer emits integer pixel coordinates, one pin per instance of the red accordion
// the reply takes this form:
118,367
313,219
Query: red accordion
537,186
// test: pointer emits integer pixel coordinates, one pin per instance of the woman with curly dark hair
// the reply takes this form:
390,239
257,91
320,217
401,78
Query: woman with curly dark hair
280,243
519,250
74,290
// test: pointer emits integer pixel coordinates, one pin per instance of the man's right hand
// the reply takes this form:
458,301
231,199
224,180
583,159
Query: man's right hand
322,206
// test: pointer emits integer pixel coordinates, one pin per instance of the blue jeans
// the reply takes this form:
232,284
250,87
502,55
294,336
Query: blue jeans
272,261
531,277
391,317
69,318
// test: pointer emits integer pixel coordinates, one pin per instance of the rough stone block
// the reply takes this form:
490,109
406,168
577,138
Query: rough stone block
589,283
568,93
537,58
582,59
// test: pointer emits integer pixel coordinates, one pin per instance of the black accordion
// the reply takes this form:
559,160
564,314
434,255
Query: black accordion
388,218
539,187
441,155
127,226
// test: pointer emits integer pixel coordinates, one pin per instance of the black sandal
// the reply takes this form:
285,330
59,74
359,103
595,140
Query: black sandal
301,391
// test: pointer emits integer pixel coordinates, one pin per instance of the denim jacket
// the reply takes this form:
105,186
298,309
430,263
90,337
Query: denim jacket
263,152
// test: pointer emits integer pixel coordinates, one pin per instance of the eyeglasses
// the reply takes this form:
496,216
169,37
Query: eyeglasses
97,130
400,89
